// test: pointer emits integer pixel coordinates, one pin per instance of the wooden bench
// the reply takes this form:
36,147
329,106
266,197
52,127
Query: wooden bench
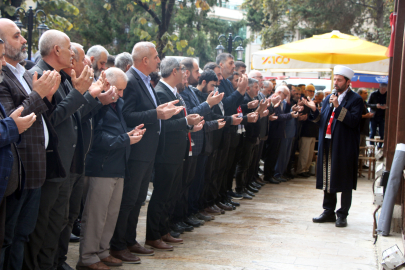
371,165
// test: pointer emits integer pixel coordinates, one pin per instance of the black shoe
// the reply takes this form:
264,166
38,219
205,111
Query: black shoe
229,204
256,185
271,181
251,194
252,189
341,222
176,228
280,179
64,266
235,195
190,221
174,234
202,222
365,166
246,196
202,217
303,175
289,175
324,218
74,238
77,226
286,177
186,227
229,200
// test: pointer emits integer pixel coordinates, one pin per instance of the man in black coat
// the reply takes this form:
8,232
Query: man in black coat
377,103
169,162
338,148
142,106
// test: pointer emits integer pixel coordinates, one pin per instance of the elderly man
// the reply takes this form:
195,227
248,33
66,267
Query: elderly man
104,182
377,104
98,57
338,151
326,92
310,91
96,100
123,61
141,106
39,143
267,89
169,164
11,169
69,105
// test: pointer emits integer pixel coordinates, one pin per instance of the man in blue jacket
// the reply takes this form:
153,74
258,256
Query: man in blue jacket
104,181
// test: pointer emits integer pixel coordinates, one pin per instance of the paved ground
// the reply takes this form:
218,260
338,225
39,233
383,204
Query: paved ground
273,231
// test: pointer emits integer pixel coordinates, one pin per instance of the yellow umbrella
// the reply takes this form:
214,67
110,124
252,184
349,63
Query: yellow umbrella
322,53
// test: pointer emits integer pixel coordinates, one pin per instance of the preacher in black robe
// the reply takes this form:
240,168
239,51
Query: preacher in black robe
338,155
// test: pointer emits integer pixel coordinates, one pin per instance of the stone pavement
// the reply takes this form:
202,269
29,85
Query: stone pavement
273,231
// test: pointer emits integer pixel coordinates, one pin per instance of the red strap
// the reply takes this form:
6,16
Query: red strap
329,129
189,135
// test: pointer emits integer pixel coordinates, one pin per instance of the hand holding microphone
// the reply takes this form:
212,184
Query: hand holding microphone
333,99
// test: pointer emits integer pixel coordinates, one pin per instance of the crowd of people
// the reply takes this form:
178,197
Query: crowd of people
84,134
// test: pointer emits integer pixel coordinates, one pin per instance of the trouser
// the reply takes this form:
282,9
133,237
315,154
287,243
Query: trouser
306,149
53,212
21,217
294,148
221,163
101,208
234,155
136,183
74,210
330,201
374,123
254,159
212,173
207,197
283,157
196,187
165,187
2,220
270,160
246,149
189,168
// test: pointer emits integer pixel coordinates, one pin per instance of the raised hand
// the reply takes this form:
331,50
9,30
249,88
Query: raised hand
23,123
303,117
294,114
262,107
82,84
236,120
221,123
214,98
107,97
198,127
135,136
264,113
253,104
252,117
167,110
334,99
193,119
273,117
275,100
47,84
98,87
309,103
242,84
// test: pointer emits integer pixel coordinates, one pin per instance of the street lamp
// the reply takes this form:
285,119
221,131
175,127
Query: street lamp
126,29
230,40
31,19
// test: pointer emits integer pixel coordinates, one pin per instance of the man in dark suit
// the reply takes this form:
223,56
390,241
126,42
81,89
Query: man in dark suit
141,106
11,169
169,163
68,106
20,88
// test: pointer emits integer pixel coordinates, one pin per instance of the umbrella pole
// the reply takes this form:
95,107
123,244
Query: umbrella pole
331,79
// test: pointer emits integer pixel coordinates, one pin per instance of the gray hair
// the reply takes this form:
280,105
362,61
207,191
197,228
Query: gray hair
49,40
318,93
167,65
282,88
123,60
221,58
96,51
326,90
141,50
251,82
112,74
267,84
74,49
254,73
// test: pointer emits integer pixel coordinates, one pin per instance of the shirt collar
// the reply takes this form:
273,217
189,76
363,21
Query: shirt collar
143,76
174,90
17,70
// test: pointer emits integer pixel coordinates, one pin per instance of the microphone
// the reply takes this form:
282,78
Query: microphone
334,92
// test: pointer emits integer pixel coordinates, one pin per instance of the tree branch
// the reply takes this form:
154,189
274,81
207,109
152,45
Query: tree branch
364,5
151,12
169,12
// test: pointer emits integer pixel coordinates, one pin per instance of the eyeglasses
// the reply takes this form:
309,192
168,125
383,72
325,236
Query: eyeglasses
183,69
310,91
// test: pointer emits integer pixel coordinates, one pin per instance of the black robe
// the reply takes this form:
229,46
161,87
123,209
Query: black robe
337,171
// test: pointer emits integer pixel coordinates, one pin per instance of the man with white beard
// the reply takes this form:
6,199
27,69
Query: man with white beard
98,57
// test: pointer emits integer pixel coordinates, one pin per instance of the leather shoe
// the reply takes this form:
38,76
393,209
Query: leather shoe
125,256
192,222
176,228
174,234
341,222
246,196
272,181
186,227
255,185
280,179
158,244
212,217
224,206
210,210
139,250
228,204
235,195
171,240
222,211
202,222
233,203
260,181
94,266
303,175
252,189
74,238
111,261
251,194
324,218
64,266
201,216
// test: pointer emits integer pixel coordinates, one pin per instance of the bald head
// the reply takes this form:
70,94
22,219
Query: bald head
116,77
49,40
145,57
55,49
257,75
141,50
6,24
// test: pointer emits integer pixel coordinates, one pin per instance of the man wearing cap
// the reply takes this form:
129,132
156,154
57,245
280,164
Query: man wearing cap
339,138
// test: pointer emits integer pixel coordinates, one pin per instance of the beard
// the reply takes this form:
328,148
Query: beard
15,54
97,72
180,87
192,81
341,89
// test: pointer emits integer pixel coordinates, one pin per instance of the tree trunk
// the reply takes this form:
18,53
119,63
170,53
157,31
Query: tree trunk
380,18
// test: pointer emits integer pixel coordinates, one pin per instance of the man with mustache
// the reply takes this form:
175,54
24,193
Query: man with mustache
21,88
98,57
